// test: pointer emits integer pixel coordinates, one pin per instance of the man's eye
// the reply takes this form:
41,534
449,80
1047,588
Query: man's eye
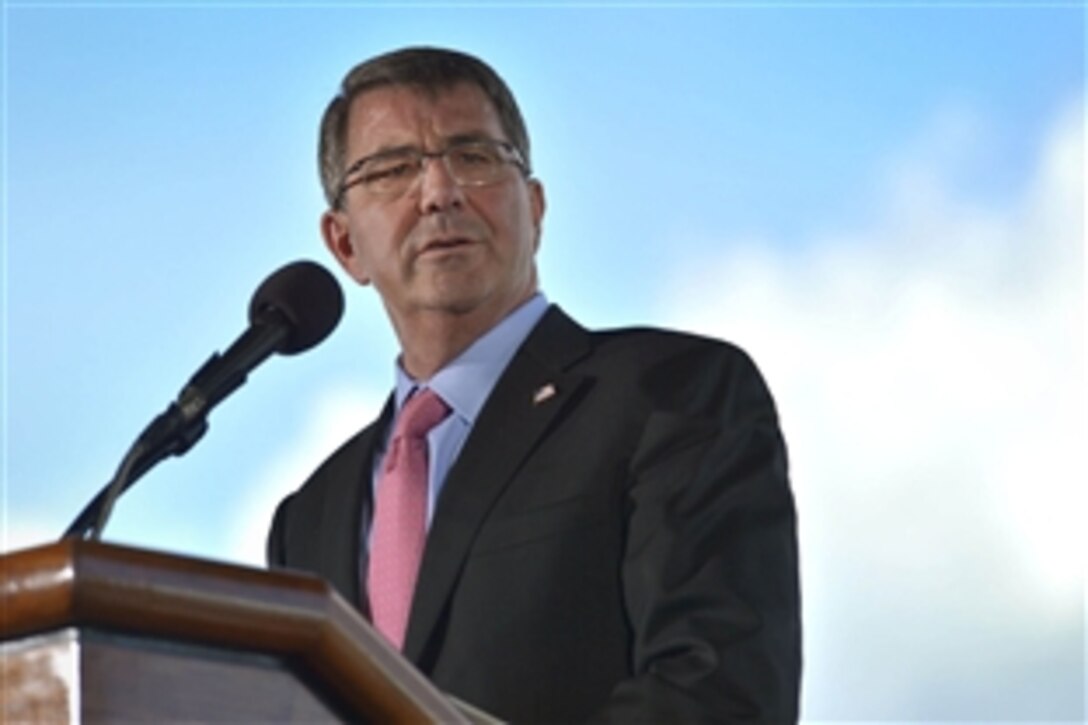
473,156
388,171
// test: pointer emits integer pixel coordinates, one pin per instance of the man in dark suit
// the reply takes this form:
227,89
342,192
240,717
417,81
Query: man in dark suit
609,530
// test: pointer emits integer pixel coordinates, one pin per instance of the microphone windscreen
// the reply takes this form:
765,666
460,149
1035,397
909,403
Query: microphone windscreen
307,296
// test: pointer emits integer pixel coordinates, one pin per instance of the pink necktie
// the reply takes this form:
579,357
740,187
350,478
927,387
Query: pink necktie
400,516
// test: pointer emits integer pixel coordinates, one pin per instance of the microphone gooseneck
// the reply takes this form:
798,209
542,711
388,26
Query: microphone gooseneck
294,309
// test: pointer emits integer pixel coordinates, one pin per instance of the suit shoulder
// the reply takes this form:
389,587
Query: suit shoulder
333,482
345,462
671,351
328,500
683,371
668,340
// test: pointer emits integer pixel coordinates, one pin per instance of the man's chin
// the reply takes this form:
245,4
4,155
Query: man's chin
451,301
487,305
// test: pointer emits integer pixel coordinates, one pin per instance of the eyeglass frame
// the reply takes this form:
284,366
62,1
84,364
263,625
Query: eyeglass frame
513,157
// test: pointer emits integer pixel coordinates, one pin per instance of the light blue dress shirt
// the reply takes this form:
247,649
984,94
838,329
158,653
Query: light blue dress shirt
465,384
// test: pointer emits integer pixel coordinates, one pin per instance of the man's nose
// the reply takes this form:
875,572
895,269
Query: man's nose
438,190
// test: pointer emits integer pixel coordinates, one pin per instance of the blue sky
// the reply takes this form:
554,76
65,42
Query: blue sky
882,202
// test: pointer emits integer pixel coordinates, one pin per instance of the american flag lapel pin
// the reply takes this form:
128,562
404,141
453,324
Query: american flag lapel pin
543,393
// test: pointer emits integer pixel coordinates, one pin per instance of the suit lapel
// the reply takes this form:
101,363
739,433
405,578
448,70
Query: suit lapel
529,398
348,513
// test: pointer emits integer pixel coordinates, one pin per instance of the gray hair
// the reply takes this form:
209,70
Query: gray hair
428,69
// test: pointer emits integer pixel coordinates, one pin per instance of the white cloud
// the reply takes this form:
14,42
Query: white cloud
336,415
930,371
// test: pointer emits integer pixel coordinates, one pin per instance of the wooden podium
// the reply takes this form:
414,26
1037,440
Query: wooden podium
95,632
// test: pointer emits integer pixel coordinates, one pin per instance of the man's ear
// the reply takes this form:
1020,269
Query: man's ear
337,235
536,206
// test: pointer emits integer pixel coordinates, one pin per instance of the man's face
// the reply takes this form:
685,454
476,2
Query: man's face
438,247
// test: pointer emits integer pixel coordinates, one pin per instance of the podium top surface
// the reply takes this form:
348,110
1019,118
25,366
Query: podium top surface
77,583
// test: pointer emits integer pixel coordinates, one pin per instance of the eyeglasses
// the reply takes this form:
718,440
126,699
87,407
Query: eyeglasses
478,162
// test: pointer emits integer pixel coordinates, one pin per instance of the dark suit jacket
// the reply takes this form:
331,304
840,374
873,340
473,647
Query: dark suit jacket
623,550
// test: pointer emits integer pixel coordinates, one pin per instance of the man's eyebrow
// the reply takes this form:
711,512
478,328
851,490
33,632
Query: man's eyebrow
390,150
459,138
470,137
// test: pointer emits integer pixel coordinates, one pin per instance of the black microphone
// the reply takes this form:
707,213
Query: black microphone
294,309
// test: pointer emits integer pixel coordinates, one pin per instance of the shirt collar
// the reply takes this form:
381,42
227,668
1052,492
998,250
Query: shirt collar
466,381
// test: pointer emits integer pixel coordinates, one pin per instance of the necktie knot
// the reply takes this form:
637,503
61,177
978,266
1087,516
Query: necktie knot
421,412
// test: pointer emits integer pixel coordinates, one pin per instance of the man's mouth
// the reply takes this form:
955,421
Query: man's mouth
443,245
